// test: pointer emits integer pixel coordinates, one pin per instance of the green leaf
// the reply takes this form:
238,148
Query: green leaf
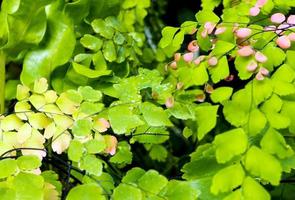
124,192
274,143
257,121
284,73
124,154
89,94
109,51
221,94
87,191
133,175
236,111
167,36
7,167
25,191
220,71
182,111
191,76
206,15
277,120
287,111
92,165
100,26
82,127
230,144
57,51
95,146
154,115
158,152
275,56
89,73
273,104
221,48
176,190
28,162
227,179
75,150
91,42
152,182
241,64
262,164
260,90
123,120
254,191
206,117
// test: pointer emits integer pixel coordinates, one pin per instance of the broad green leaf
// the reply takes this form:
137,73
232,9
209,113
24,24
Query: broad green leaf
75,151
133,175
274,143
86,191
124,192
221,48
182,111
277,120
11,122
227,179
188,26
28,162
221,94
220,71
176,190
206,15
152,182
109,51
154,115
230,144
167,36
52,178
150,135
283,88
57,51
123,155
40,86
123,119
193,76
91,164
89,94
275,56
82,127
264,165
89,73
287,111
95,146
236,111
241,64
284,73
25,191
254,191
273,104
101,27
257,121
158,152
91,42
7,167
206,117
210,4
77,10
290,58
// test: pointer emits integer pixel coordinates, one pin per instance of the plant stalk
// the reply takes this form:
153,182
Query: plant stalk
2,82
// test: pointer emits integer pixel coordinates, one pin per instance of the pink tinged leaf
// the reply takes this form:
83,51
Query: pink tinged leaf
220,30
197,61
291,19
254,11
209,88
188,57
260,57
61,143
281,28
264,71
270,28
204,33
235,27
212,61
209,27
243,32
229,78
259,76
291,37
179,85
169,103
193,46
111,142
246,51
277,18
252,66
173,65
283,42
102,125
261,3
193,31
177,56
200,98
36,171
